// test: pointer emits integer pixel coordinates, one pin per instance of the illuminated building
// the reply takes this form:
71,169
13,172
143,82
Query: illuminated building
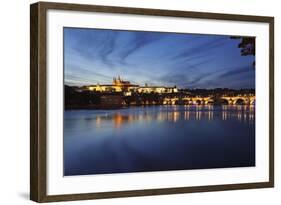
119,85
157,89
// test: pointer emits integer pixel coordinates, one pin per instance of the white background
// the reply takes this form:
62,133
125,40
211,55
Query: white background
14,101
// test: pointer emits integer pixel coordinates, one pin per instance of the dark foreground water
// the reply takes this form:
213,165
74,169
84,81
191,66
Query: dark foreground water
158,138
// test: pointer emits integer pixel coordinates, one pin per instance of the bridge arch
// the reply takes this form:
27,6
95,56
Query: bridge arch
199,102
252,101
209,101
239,101
224,101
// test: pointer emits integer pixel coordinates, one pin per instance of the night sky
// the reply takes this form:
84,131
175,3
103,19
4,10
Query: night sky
187,60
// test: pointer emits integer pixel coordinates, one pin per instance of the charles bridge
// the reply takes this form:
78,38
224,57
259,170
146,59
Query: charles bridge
228,100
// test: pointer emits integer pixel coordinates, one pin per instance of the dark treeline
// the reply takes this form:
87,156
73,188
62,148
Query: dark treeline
73,98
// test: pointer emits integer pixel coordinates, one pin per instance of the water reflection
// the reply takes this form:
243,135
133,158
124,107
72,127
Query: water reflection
157,138
243,113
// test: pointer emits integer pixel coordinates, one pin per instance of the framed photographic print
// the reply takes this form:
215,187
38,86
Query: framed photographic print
134,102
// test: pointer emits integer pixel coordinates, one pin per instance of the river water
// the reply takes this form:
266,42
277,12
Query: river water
158,138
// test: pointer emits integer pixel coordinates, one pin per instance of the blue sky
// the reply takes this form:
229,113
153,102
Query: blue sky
187,60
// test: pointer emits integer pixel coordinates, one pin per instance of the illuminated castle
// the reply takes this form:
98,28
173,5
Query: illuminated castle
119,85
119,82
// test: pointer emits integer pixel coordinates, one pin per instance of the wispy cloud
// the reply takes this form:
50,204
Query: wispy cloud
95,46
235,72
201,49
233,77
89,76
186,60
138,41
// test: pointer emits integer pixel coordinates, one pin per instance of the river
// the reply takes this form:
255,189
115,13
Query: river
158,138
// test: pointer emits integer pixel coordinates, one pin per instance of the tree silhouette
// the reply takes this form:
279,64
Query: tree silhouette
247,46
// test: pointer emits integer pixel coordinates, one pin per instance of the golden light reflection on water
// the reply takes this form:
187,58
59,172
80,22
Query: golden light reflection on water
224,115
210,115
242,113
